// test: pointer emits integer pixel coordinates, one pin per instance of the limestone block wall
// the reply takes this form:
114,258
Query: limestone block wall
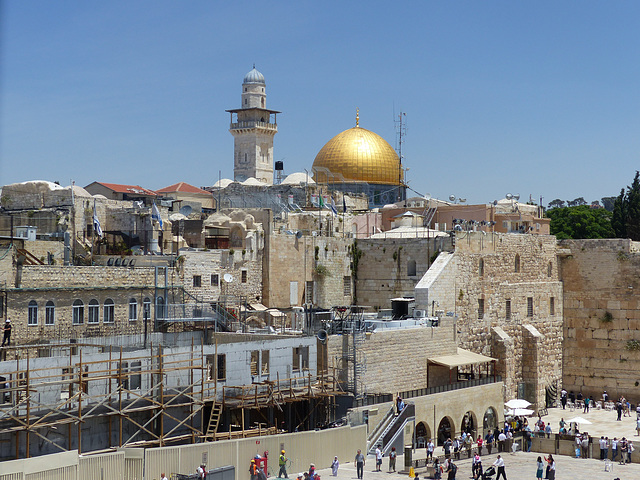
506,281
602,317
292,262
391,267
40,249
395,360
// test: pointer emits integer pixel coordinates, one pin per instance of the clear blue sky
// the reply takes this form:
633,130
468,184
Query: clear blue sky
537,98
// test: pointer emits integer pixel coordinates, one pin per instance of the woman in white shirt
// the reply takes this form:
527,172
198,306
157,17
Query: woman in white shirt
551,467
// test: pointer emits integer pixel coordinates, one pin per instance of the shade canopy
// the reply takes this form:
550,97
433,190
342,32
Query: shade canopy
523,412
579,420
463,357
518,403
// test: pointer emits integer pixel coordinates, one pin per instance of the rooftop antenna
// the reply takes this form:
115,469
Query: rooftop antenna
401,132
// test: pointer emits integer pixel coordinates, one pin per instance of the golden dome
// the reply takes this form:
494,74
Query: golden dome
358,155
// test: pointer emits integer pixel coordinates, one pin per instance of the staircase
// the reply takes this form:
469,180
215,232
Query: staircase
214,421
358,367
394,431
374,435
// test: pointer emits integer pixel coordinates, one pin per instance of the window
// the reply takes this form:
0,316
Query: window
133,309
517,264
197,281
33,313
549,269
552,306
244,276
529,306
135,377
308,293
300,358
411,268
507,314
94,311
78,312
264,363
49,313
481,267
255,358
346,287
216,367
480,308
146,308
215,280
108,311
160,308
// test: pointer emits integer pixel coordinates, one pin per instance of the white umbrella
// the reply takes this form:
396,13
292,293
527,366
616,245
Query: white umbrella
524,412
517,403
579,420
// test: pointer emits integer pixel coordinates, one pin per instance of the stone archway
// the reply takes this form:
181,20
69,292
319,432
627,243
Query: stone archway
490,420
445,430
423,434
469,424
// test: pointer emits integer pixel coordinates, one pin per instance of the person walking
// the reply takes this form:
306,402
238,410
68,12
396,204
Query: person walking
476,467
638,426
430,448
334,466
253,470
551,467
500,464
378,459
392,459
451,470
539,467
624,450
437,472
488,441
359,463
563,398
447,447
7,333
282,462
619,410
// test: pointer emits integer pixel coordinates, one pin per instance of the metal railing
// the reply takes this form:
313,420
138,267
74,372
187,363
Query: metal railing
270,126
449,387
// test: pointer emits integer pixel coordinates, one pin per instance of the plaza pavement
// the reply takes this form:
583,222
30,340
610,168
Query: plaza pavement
522,465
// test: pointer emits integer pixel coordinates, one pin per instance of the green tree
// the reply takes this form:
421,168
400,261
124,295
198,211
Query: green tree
557,203
633,208
618,216
580,221
607,202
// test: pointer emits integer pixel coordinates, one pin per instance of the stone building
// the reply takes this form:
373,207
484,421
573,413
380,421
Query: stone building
601,349
506,292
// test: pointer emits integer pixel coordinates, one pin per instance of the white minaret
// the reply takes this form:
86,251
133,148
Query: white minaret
253,129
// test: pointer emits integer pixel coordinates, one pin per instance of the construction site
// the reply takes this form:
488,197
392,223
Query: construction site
98,396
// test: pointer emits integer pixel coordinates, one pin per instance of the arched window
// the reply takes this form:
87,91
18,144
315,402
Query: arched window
50,313
33,313
108,311
146,308
411,268
517,264
78,312
133,309
481,267
94,311
160,307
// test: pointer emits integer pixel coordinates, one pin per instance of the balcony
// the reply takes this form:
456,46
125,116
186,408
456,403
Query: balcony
264,125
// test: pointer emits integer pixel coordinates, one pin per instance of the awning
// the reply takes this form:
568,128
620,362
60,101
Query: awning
463,357
258,307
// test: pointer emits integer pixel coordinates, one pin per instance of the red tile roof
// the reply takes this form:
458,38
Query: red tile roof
183,187
135,189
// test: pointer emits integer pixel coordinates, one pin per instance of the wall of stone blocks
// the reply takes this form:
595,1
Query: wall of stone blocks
291,259
395,359
383,268
537,278
602,317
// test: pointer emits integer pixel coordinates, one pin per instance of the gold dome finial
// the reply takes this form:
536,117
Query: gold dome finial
357,117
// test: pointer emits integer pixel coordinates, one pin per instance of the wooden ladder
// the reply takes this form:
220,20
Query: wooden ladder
214,420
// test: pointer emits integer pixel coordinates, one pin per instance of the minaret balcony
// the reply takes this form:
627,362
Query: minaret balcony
254,124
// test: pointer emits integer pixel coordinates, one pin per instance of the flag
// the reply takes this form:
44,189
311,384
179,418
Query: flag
333,208
320,201
344,204
155,214
96,223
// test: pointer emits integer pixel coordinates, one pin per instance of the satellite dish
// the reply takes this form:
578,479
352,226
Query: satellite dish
186,210
508,196
228,277
452,198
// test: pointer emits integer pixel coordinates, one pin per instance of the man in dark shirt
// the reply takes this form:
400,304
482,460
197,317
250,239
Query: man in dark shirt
7,333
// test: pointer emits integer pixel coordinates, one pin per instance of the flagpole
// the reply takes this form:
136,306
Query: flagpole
94,229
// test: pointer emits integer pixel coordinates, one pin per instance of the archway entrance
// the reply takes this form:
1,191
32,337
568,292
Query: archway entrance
423,434
469,424
444,430
490,420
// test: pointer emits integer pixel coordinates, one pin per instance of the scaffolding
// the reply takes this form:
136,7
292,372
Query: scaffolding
142,398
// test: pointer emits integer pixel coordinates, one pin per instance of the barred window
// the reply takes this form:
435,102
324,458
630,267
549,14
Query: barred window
108,311
94,311
529,306
480,308
197,280
507,314
346,286
552,306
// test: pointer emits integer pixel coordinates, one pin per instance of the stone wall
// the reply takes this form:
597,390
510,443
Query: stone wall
602,317
491,274
391,267
395,359
292,262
